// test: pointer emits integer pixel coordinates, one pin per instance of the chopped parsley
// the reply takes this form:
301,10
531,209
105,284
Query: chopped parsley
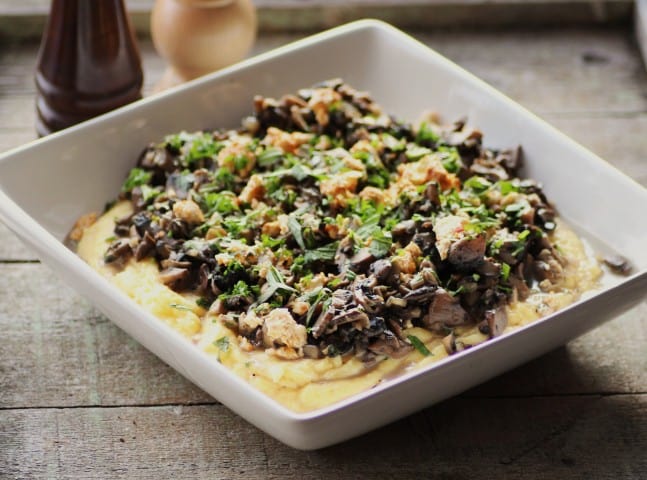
324,253
136,178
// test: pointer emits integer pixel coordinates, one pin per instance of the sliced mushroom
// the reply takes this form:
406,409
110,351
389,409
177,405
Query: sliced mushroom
364,295
511,159
118,252
311,351
406,227
144,247
497,321
173,275
489,268
491,171
420,295
174,262
341,298
467,251
449,342
432,193
547,267
444,310
426,241
158,158
396,302
361,260
354,315
390,345
381,269
618,264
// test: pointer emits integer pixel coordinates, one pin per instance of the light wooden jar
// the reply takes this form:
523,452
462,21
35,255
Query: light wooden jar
199,36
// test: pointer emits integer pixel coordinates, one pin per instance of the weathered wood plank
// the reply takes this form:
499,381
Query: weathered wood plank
539,438
557,71
57,350
77,355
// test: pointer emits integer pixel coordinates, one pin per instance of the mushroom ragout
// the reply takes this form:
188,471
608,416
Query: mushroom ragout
324,228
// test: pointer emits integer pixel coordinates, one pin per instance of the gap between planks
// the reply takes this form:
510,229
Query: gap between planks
464,396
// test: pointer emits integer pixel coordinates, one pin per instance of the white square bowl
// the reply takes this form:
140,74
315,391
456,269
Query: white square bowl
46,185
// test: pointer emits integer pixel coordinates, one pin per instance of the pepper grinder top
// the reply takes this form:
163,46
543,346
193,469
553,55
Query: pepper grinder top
88,63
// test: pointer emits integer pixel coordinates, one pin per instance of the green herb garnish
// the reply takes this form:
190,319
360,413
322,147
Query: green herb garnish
325,253
275,284
419,345
380,243
136,177
222,344
179,306
296,231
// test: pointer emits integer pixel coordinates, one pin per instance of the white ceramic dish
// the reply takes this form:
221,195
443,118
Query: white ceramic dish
46,185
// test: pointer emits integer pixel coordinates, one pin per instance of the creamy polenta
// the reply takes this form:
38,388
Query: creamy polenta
307,384
325,247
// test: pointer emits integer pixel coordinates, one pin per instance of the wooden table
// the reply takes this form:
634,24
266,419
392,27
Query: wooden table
80,399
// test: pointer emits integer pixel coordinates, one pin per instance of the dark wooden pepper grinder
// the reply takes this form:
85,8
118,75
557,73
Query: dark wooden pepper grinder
88,63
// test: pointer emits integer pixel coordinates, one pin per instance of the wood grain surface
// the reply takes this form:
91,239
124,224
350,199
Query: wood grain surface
80,399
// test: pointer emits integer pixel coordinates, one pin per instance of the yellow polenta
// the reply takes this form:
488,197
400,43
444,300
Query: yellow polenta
307,384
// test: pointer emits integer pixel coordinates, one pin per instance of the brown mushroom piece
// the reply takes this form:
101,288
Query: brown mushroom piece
165,246
546,216
330,319
547,266
489,268
446,310
174,262
172,275
432,193
118,252
364,295
511,159
341,299
344,249
618,264
361,260
354,315
449,342
491,171
420,295
497,321
158,158
511,250
467,251
404,228
426,241
381,269
311,351
390,345
145,246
